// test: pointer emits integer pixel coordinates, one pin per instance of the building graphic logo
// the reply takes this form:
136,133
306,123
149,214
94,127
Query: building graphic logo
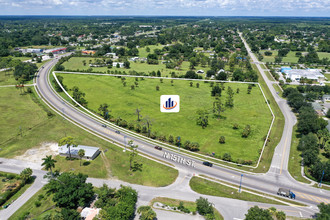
169,103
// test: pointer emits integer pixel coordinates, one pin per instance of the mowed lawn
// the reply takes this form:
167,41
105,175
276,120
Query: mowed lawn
21,111
290,57
76,63
249,109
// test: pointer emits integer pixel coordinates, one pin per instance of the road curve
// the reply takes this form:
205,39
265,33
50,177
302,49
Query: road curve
267,183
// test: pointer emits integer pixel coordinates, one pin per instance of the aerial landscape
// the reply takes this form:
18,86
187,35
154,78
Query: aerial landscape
165,110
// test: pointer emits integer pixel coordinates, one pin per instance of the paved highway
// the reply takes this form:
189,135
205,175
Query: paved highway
277,176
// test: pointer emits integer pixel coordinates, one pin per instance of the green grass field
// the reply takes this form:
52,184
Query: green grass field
123,101
211,188
38,128
144,53
290,57
47,207
277,130
76,63
187,204
295,158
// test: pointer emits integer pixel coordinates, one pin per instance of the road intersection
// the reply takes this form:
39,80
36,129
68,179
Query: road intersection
277,176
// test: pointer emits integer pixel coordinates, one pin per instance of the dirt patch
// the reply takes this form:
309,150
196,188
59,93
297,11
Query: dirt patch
35,155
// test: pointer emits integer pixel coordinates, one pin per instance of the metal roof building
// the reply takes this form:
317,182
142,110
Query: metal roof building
90,152
296,74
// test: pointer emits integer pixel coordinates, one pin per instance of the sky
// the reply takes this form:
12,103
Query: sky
306,8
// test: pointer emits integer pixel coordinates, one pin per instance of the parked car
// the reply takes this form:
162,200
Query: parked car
118,132
206,163
158,148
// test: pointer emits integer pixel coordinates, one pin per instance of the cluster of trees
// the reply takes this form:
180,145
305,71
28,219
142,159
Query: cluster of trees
79,96
314,135
25,71
266,214
117,204
70,191
248,76
205,208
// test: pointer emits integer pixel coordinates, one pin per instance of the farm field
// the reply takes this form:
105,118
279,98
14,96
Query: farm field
76,63
123,102
38,128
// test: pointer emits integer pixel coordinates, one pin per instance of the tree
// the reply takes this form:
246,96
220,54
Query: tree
216,91
246,131
197,85
104,111
49,163
218,107
157,88
324,213
25,71
79,96
256,213
133,153
146,213
81,154
230,99
127,64
138,113
328,114
203,206
57,86
191,84
25,175
71,190
148,123
202,118
222,140
69,214
68,141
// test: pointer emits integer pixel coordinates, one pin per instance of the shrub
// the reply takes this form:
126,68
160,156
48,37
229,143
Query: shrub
170,139
222,140
37,203
246,131
40,197
227,157
235,126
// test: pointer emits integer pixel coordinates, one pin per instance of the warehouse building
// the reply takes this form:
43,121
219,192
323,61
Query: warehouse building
311,74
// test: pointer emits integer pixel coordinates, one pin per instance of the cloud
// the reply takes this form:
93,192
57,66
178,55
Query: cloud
177,7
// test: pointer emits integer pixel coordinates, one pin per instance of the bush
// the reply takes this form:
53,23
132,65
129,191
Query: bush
222,140
227,157
37,203
40,197
246,131
235,126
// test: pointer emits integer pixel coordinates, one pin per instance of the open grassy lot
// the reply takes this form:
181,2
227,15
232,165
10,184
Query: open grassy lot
76,63
211,188
290,57
277,130
295,158
46,208
144,53
187,204
7,78
123,102
30,113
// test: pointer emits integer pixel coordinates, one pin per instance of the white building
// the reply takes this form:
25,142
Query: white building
312,74
121,65
90,152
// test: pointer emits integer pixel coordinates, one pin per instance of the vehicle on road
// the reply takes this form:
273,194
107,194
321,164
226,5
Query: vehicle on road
103,125
118,132
206,163
158,148
286,192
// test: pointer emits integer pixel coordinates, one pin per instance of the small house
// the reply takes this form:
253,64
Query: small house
90,152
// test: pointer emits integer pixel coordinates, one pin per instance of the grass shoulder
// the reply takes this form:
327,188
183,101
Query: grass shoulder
175,203
211,188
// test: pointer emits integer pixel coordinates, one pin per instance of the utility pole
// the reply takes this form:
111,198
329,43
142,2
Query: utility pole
240,184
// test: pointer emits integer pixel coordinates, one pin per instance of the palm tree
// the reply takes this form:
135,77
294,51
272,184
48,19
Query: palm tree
81,154
68,141
49,163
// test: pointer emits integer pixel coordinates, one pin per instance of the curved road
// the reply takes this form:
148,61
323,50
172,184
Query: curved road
269,183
